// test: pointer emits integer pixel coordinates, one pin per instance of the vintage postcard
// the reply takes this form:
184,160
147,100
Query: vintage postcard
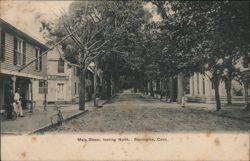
124,80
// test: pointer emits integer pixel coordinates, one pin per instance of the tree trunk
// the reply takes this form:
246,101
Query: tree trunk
116,83
247,102
161,86
108,85
82,89
102,89
180,88
157,87
112,86
151,90
95,85
171,90
146,87
228,85
246,83
166,89
216,81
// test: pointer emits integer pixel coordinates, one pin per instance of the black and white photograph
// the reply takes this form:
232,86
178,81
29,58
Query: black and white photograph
124,80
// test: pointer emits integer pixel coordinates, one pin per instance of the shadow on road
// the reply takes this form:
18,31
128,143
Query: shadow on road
128,113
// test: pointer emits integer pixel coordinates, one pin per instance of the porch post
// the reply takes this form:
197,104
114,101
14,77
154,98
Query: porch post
200,85
45,96
196,84
31,94
13,78
191,87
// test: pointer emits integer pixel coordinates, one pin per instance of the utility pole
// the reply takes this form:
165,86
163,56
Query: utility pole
45,95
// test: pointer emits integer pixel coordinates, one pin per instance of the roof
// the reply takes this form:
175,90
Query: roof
10,28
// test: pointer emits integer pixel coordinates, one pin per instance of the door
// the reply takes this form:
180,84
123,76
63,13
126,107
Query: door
60,91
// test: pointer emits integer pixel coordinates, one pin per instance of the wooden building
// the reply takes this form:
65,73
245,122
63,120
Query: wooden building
18,49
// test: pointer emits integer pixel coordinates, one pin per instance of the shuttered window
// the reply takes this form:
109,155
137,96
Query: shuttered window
2,46
19,52
43,86
38,62
75,88
24,53
60,66
15,51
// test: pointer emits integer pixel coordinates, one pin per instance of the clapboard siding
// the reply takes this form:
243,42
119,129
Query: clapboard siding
30,55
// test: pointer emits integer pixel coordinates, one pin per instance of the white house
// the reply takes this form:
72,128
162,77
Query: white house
201,88
63,80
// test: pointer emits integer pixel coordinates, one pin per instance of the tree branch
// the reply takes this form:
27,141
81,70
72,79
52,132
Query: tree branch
77,41
92,18
92,58
208,76
63,58
97,17
118,52
93,44
95,35
77,38
99,47
73,37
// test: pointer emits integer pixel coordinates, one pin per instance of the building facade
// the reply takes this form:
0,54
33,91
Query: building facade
17,50
201,89
63,80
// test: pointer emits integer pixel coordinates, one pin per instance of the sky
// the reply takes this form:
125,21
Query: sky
27,15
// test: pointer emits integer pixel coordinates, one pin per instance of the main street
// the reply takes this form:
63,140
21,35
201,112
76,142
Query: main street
130,112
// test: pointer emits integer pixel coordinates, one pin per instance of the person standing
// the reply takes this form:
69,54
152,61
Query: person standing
17,103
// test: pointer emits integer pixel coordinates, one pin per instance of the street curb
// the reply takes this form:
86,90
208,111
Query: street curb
65,120
211,113
56,124
227,116
105,102
108,100
11,133
49,125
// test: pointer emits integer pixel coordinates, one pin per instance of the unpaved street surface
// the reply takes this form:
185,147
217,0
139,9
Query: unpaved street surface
134,113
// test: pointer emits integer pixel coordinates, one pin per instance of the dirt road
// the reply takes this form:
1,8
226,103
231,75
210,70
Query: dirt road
135,113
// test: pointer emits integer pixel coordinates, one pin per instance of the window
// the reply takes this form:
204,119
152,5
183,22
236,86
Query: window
60,66
38,63
60,91
19,52
43,86
75,88
2,45
212,84
76,71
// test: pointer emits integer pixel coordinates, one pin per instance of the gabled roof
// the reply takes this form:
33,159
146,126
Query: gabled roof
11,29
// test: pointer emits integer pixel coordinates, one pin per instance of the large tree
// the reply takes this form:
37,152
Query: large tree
98,28
200,35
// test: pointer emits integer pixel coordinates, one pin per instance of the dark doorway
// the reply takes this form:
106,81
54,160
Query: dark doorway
23,84
7,87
